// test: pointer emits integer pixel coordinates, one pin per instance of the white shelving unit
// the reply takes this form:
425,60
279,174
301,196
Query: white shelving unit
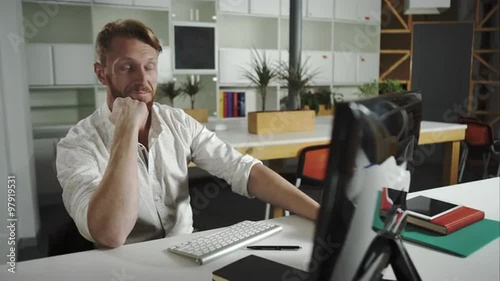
341,46
341,40
60,52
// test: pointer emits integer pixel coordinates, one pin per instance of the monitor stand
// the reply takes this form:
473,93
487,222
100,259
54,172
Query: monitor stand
386,248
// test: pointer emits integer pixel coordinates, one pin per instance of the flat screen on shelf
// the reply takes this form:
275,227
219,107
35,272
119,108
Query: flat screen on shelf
194,47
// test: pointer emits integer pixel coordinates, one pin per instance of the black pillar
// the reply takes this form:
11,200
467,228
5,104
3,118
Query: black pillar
295,46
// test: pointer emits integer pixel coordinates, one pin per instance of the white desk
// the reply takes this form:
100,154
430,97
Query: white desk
151,261
287,145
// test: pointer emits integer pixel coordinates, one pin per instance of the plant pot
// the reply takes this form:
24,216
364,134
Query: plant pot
324,112
271,122
200,114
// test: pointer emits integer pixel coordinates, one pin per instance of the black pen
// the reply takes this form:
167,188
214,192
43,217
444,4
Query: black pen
275,248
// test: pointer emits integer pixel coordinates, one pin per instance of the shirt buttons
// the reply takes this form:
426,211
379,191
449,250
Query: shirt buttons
157,198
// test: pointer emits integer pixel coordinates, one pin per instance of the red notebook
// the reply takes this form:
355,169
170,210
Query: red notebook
444,224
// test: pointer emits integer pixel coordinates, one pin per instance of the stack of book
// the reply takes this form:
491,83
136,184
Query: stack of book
232,104
442,224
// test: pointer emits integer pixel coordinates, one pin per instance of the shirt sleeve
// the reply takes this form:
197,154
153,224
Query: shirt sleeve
219,158
79,176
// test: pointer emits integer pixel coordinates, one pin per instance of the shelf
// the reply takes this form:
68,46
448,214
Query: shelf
244,85
133,7
487,29
60,87
60,107
485,112
489,82
194,72
58,2
358,22
486,51
271,16
400,81
348,84
395,31
388,51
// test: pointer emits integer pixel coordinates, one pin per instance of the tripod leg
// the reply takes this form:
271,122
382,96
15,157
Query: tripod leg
402,265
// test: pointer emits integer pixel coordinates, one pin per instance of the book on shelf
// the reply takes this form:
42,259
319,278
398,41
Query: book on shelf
232,104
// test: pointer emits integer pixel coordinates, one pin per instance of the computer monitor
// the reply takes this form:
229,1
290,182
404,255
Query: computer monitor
365,133
194,48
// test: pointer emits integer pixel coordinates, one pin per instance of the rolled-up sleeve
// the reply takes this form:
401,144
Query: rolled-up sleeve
219,158
79,177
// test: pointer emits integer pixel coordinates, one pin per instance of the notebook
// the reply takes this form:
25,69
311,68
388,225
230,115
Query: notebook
252,267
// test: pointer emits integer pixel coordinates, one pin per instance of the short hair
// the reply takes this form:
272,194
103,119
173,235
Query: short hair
128,28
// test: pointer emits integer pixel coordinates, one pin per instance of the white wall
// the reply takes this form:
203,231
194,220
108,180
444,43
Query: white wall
16,145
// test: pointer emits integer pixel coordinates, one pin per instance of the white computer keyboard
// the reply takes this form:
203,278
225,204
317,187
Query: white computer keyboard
215,245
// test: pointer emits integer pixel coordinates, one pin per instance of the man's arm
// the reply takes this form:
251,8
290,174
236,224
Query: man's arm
247,175
270,187
113,208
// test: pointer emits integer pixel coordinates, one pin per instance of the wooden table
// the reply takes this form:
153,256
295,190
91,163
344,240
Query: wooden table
287,145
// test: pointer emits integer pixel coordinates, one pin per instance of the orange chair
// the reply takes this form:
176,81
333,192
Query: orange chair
311,169
479,139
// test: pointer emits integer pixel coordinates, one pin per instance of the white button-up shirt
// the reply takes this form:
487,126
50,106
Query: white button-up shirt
175,139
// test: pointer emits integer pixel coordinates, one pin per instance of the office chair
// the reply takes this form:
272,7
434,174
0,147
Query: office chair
67,240
479,139
311,169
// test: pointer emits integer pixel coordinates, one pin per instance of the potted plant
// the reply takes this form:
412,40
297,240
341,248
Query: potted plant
368,89
390,86
320,101
296,79
325,100
292,119
190,89
260,74
168,90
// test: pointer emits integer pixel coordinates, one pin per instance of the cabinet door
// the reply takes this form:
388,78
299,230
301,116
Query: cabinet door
77,1
368,67
272,57
73,64
285,8
319,63
346,10
233,6
344,67
164,4
369,10
265,7
232,63
39,62
115,2
320,9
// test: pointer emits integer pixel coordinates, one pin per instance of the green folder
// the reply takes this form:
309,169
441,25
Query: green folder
462,242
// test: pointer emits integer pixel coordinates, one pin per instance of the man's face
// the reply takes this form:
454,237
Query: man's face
131,70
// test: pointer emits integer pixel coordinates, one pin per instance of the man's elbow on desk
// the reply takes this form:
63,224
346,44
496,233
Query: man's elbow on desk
105,237
109,232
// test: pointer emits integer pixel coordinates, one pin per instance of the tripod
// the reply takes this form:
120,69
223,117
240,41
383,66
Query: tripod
388,248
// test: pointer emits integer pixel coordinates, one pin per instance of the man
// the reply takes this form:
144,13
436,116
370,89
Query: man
124,169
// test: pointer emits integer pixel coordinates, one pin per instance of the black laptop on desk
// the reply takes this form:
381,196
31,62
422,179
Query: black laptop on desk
365,133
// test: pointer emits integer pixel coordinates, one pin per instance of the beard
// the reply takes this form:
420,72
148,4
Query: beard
130,90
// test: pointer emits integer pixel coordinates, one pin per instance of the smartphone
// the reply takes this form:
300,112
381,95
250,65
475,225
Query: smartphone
428,208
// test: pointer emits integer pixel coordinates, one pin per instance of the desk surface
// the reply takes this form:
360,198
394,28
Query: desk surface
151,261
234,132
